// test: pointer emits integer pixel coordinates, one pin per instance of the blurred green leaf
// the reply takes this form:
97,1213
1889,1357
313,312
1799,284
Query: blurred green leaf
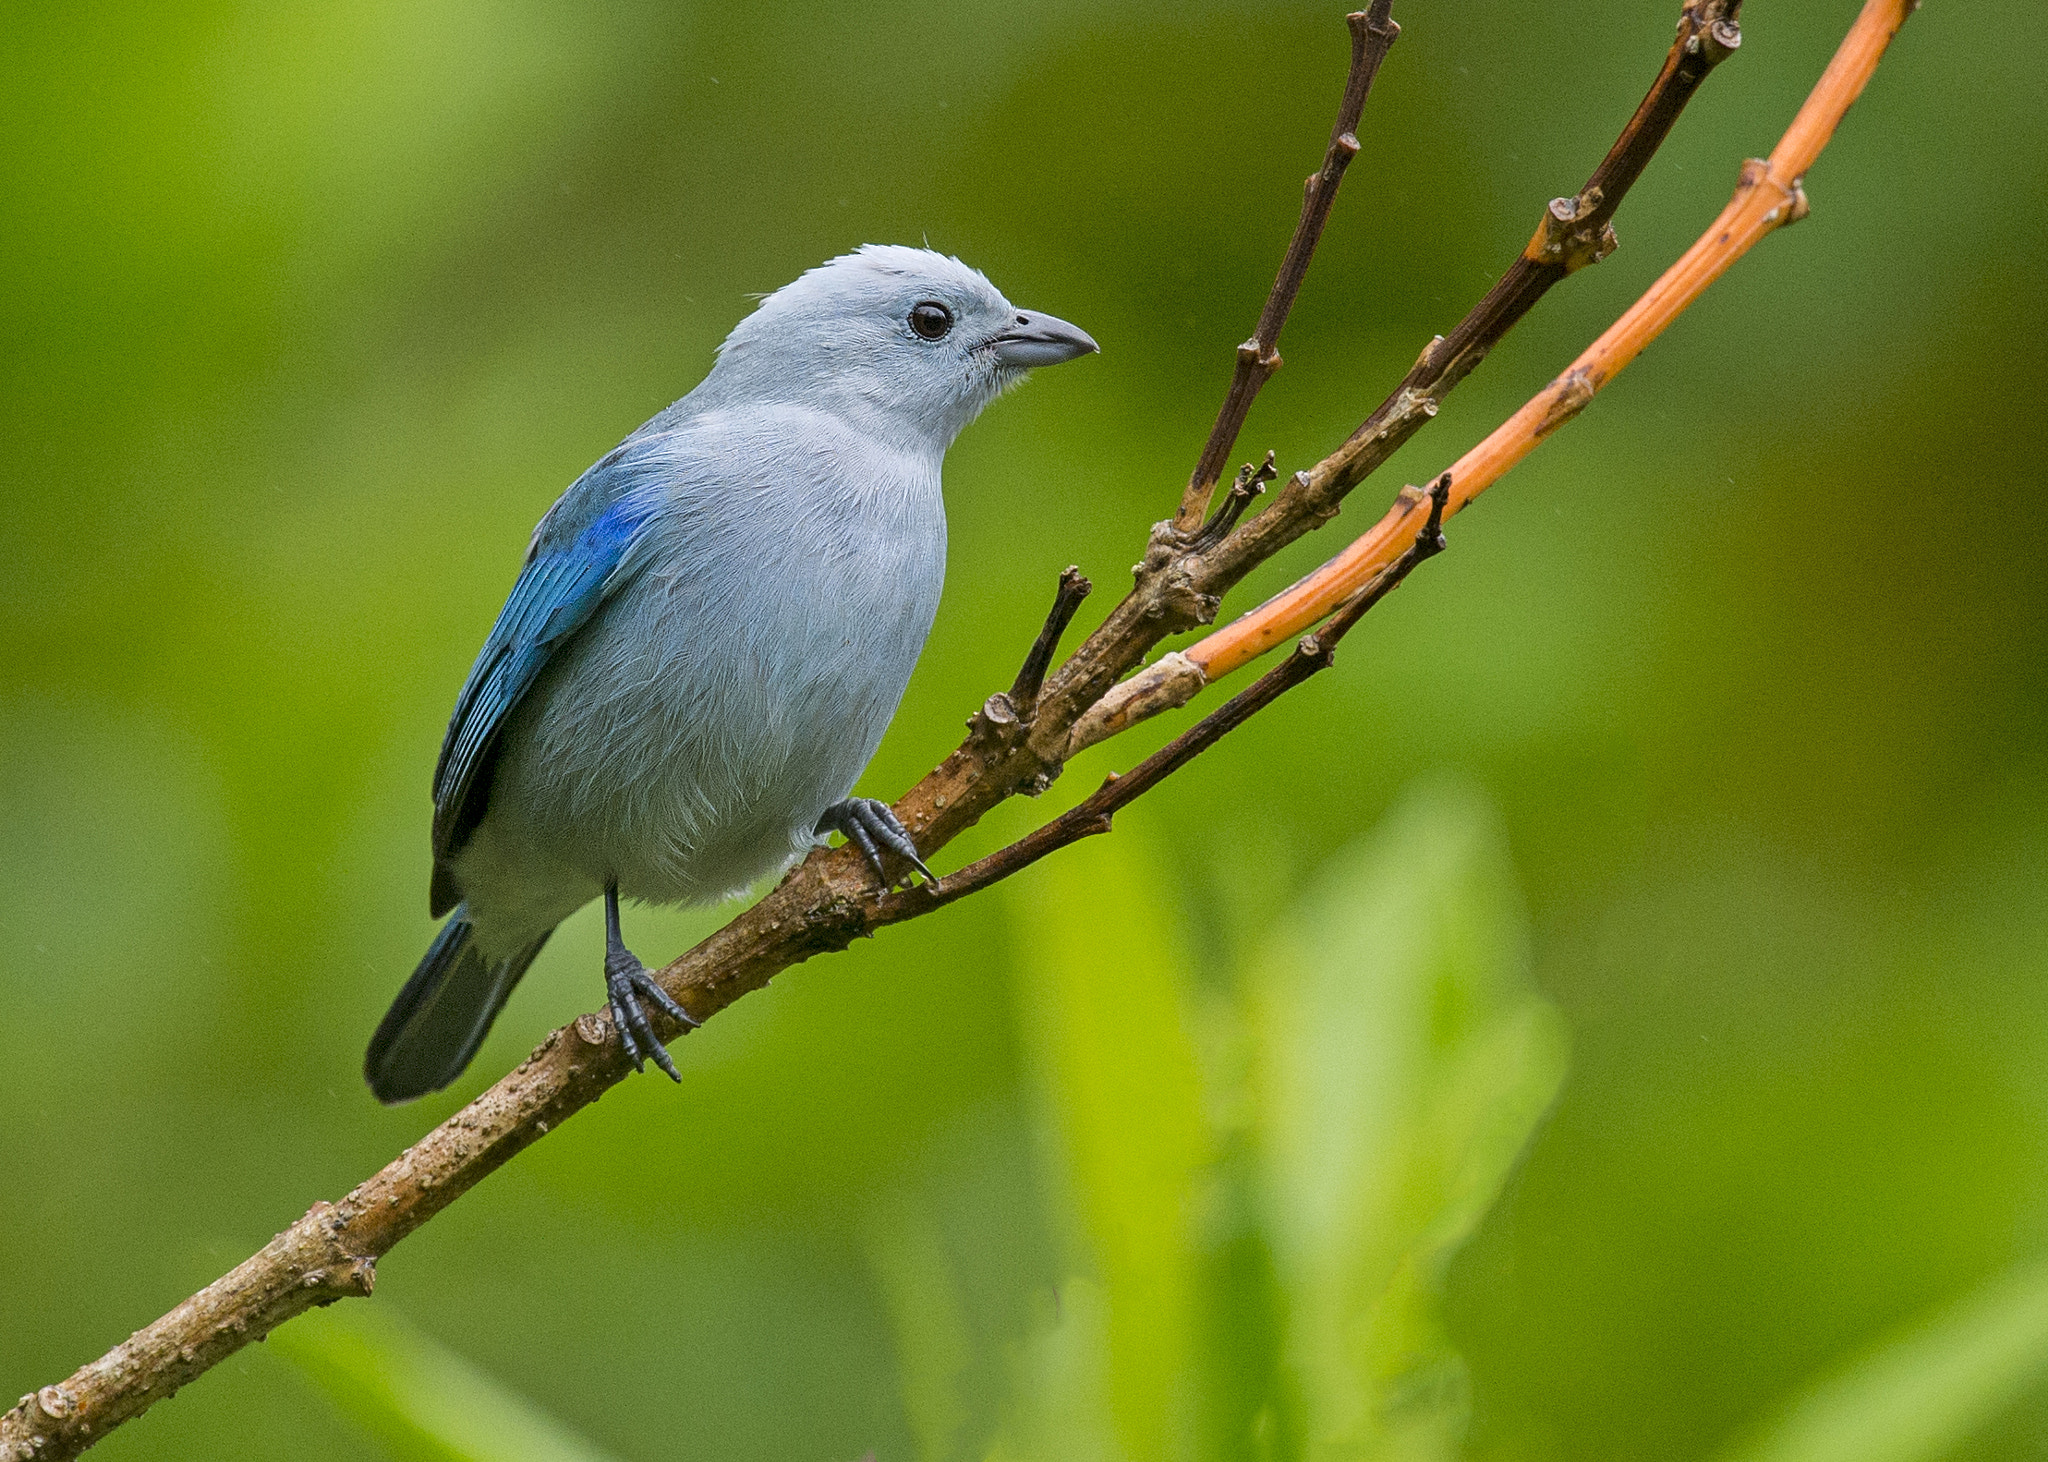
418,1398
1919,1396
1060,1409
1106,1008
1405,1059
932,1344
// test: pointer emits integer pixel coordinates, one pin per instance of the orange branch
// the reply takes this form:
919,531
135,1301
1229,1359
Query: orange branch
1768,197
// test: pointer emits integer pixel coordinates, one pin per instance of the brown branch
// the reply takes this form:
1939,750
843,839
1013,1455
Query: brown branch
1373,34
822,905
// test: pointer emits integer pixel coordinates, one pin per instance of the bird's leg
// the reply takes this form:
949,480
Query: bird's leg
871,826
625,981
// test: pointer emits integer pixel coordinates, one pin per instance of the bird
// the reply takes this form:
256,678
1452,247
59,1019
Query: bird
710,632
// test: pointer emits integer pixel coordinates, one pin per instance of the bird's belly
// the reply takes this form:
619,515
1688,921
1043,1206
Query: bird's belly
684,753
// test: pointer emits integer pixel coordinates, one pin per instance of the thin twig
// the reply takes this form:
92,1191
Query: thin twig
1074,587
1572,233
1373,34
1251,481
1181,583
1768,196
829,899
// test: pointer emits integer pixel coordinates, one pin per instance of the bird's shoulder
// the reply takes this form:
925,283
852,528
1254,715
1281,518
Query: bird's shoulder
713,448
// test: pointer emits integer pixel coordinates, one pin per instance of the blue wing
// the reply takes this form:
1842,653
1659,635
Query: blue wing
580,556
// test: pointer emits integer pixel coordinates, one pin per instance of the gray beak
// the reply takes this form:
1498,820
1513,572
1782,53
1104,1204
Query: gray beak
1041,340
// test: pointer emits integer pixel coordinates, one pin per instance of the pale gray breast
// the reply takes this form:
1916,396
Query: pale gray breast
688,738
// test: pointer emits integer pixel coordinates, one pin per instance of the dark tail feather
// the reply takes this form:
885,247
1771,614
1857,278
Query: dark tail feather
441,1016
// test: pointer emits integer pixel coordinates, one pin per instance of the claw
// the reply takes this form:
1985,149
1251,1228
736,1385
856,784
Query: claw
867,822
860,837
667,1003
623,1023
626,983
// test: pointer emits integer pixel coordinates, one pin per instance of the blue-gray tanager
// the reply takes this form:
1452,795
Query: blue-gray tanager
711,630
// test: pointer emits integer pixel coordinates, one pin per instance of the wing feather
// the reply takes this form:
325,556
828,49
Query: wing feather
570,570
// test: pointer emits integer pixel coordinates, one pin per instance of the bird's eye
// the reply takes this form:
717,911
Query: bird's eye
930,319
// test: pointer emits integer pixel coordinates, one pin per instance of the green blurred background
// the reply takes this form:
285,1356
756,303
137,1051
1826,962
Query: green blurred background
307,313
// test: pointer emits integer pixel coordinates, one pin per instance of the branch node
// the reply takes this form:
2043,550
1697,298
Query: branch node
1430,541
1792,205
999,713
1170,681
1798,208
1251,481
1573,233
1377,23
1171,598
356,1278
1575,388
1722,39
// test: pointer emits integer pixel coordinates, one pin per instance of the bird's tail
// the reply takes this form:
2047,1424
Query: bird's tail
442,1015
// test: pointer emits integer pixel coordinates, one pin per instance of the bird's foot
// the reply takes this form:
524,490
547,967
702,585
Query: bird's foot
626,982
870,825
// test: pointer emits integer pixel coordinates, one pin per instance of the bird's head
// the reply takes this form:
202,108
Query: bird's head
903,343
